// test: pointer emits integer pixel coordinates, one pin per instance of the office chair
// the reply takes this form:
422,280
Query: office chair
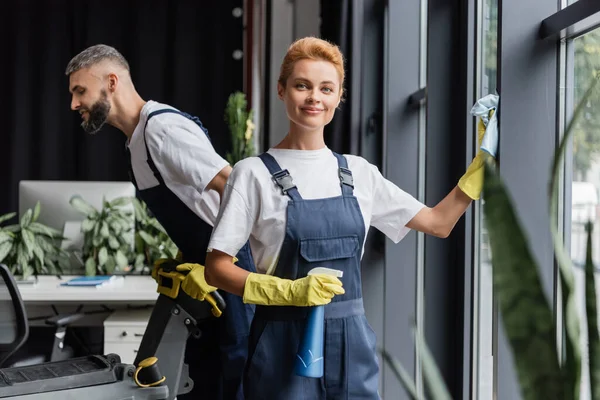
18,326
14,329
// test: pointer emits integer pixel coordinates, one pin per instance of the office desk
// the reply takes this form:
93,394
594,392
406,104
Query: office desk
121,308
133,289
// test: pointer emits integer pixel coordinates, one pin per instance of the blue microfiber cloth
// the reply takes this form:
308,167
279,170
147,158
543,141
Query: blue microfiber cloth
482,110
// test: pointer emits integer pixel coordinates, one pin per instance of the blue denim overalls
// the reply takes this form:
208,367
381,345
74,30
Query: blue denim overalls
320,233
217,359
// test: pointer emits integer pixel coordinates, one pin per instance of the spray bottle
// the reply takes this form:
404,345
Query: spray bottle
309,359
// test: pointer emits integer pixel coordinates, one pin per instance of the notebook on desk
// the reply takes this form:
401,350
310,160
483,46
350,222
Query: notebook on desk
95,281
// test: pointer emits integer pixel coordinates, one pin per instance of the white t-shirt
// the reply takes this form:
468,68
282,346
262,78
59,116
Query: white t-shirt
254,208
184,156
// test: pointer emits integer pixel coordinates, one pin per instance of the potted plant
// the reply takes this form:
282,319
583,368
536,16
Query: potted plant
241,127
151,239
108,235
30,248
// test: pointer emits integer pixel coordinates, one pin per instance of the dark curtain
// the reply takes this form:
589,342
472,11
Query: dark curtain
180,53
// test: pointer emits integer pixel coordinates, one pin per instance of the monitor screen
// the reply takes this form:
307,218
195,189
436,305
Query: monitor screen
58,213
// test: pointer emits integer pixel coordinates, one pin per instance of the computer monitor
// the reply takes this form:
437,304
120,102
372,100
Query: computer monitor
56,210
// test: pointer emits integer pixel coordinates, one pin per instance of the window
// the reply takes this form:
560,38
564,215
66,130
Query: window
582,65
484,325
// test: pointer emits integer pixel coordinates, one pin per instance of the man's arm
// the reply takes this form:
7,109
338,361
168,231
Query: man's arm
219,181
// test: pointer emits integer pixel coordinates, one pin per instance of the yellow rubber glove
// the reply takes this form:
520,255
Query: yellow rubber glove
313,290
194,284
471,183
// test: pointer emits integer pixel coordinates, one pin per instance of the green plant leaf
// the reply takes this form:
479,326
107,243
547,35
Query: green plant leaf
5,248
12,228
139,260
147,238
90,266
526,314
154,222
6,236
6,217
87,225
81,205
402,375
110,264
41,229
572,355
44,244
139,243
39,254
26,218
102,257
36,211
27,271
120,202
104,232
113,243
115,226
592,319
22,258
121,259
97,240
29,240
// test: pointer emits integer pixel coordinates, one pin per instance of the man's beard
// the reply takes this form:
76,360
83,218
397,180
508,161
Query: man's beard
97,115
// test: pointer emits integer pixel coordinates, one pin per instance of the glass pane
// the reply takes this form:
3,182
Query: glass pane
585,177
487,58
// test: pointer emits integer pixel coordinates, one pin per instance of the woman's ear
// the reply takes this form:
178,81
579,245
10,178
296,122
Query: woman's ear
280,90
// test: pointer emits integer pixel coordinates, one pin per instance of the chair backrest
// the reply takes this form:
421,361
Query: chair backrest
14,328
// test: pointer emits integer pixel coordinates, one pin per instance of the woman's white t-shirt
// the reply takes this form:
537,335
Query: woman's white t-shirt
253,206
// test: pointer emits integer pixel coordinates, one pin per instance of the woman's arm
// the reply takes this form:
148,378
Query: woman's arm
223,273
441,219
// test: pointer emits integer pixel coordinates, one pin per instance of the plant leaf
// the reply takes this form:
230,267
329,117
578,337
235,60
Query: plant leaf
110,264
87,225
36,211
90,267
5,248
97,240
6,236
147,238
29,240
592,319
526,314
41,229
113,243
39,253
121,259
12,228
402,375
154,222
104,232
102,257
81,205
6,217
120,202
26,218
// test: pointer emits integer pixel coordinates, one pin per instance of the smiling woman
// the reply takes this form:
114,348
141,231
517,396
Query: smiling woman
302,206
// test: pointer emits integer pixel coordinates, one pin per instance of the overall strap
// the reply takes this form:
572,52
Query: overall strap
282,178
346,180
151,164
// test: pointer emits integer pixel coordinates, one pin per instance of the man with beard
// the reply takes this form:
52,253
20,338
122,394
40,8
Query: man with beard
181,178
